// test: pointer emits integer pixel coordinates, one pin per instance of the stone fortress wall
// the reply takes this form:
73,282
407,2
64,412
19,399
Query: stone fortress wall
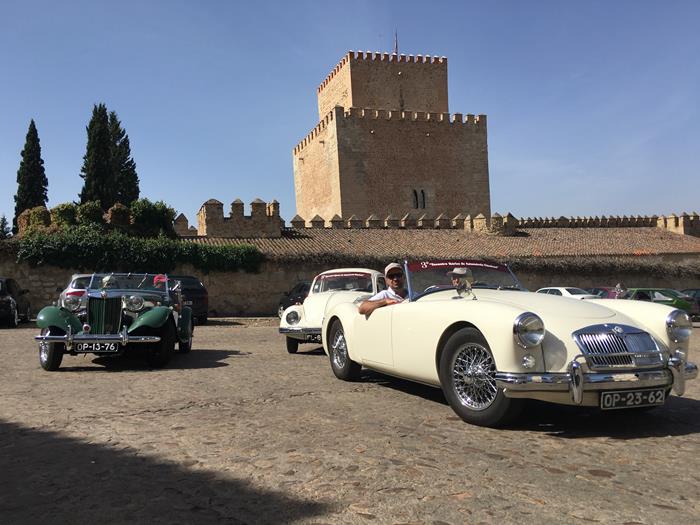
387,144
265,222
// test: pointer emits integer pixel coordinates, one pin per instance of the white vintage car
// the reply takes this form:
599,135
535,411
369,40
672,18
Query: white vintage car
489,344
301,323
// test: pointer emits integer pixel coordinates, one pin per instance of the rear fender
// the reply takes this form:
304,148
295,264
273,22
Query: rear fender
154,318
60,318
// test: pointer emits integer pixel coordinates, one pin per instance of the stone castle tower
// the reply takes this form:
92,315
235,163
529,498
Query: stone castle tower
386,144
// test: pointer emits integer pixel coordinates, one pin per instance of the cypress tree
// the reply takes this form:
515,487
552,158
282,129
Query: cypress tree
4,228
32,184
100,183
123,165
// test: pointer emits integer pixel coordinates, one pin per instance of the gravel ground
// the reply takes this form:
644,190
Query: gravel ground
239,431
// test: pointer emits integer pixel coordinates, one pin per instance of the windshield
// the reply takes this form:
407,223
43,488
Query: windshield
577,291
429,276
129,281
349,281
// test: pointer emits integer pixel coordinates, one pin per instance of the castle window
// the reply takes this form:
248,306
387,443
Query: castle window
415,199
422,198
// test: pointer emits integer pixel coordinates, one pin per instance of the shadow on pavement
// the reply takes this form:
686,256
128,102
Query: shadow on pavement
48,477
219,322
197,358
678,417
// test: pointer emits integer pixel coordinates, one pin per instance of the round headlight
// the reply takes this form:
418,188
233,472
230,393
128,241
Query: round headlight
292,317
134,303
678,326
72,303
528,330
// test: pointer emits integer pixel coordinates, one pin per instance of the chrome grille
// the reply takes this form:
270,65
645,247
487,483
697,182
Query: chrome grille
104,315
617,346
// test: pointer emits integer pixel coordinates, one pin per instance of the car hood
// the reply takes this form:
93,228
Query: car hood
548,305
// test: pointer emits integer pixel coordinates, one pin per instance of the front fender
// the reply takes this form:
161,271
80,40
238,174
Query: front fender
154,318
59,317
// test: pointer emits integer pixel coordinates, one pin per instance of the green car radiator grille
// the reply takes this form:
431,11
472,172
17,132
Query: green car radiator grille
104,315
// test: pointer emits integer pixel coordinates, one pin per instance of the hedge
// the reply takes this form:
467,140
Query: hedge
88,248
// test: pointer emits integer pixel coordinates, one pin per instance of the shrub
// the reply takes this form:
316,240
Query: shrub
90,214
64,215
88,248
150,219
119,217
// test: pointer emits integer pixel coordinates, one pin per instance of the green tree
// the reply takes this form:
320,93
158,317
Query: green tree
97,170
4,228
150,219
32,184
123,165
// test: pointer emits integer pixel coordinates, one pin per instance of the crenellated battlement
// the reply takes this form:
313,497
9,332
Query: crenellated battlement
323,124
476,123
263,221
377,56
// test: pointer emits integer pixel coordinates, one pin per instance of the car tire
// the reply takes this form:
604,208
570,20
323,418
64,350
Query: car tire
50,354
162,351
184,347
343,367
13,321
292,345
468,380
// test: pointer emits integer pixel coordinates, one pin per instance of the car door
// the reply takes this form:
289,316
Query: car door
373,337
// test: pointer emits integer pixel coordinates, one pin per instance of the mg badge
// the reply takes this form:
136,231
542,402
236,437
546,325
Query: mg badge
618,330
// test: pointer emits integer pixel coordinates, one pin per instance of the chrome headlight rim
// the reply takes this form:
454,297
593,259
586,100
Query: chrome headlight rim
528,330
679,327
134,303
292,317
71,303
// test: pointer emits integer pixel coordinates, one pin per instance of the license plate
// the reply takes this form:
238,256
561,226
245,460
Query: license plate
96,347
632,398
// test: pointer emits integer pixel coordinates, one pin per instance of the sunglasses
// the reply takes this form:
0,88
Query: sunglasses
395,276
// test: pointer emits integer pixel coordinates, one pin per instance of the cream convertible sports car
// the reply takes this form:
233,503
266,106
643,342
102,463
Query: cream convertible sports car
489,344
301,323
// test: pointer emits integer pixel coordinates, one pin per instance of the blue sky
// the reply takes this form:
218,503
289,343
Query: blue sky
592,106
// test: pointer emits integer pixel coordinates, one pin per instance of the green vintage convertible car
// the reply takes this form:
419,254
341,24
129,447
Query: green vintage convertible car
124,311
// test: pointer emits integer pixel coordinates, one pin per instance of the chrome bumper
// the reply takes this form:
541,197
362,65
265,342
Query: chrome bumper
301,331
123,338
576,381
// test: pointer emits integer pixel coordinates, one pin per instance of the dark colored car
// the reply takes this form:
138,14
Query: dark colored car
695,294
14,305
294,296
665,296
194,295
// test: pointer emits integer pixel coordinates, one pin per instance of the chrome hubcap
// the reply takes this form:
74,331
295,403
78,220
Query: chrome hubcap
474,376
340,349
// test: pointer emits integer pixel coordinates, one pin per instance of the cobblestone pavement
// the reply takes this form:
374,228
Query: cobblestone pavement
239,431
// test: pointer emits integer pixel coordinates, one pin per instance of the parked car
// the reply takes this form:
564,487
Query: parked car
695,294
490,347
14,304
665,296
294,296
604,292
301,323
140,312
194,295
567,291
77,287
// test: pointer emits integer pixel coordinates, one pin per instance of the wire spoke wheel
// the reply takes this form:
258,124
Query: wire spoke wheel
473,374
340,350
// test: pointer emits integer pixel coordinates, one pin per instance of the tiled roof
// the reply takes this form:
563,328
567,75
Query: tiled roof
412,243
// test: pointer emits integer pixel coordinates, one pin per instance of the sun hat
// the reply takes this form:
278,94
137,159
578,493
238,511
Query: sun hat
392,266
460,272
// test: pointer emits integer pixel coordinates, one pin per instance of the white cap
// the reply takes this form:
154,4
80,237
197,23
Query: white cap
392,266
